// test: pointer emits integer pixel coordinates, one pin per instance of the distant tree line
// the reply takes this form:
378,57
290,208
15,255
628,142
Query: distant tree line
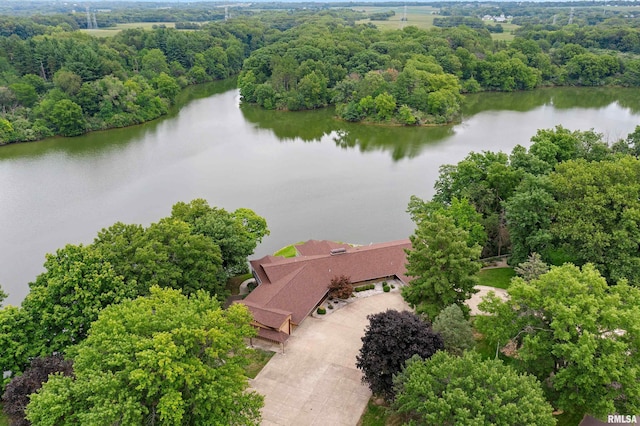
414,76
68,83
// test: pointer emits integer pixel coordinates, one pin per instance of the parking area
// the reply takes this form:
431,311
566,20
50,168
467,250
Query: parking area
315,381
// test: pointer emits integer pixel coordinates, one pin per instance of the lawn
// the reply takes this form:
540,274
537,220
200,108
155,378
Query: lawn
496,277
507,35
4,421
376,415
288,251
258,359
233,283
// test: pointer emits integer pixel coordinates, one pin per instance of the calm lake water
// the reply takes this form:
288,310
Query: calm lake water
309,175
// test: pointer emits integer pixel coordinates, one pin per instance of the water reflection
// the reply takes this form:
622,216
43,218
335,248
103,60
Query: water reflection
560,98
313,126
104,142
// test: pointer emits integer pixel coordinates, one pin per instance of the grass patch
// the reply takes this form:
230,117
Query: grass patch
379,415
233,284
111,31
507,34
288,251
568,419
4,420
496,277
374,415
258,358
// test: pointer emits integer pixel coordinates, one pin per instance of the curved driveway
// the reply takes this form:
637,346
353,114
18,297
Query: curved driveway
316,382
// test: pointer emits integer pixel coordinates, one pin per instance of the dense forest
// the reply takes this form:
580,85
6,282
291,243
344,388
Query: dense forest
414,76
56,80
68,83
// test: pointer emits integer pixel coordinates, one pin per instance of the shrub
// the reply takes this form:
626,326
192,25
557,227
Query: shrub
321,311
455,330
364,288
330,306
386,289
340,287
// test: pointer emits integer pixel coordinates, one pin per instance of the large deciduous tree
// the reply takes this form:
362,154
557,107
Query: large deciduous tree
67,117
463,213
162,359
449,390
391,338
578,335
597,214
442,265
529,213
65,299
167,254
17,343
237,233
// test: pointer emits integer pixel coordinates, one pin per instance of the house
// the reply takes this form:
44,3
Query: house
289,289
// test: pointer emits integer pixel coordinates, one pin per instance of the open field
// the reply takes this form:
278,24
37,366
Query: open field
421,17
111,31
418,16
507,35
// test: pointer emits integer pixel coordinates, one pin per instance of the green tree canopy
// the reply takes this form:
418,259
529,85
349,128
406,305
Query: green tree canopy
64,300
449,390
597,214
578,335
442,265
67,117
463,213
167,254
237,233
162,359
455,330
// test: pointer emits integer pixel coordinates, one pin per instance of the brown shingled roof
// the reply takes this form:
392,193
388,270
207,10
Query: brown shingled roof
298,284
273,318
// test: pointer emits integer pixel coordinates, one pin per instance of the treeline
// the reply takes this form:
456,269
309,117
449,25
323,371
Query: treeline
456,21
68,83
616,38
414,76
570,197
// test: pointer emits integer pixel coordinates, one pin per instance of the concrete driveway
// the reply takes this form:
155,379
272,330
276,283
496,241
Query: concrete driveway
316,382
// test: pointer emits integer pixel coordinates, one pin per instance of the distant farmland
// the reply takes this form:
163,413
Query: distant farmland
421,17
111,31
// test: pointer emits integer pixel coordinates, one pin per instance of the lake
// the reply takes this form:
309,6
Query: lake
308,174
